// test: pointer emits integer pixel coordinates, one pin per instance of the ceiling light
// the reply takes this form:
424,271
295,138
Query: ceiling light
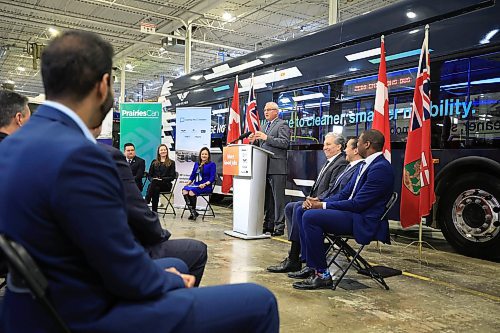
10,82
414,31
227,17
129,67
21,69
265,56
53,31
488,36
161,49
363,54
307,97
411,15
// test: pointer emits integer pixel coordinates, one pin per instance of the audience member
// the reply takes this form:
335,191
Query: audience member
200,181
161,175
334,165
73,220
14,112
137,164
146,226
275,138
356,210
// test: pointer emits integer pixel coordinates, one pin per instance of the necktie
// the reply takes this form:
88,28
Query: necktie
339,178
316,183
129,161
361,166
268,124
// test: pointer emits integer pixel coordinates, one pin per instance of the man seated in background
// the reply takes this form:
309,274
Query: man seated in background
353,158
356,210
137,164
14,112
69,213
334,165
146,226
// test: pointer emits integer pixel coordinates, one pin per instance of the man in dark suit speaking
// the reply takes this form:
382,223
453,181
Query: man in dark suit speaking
73,220
275,138
137,164
356,210
334,165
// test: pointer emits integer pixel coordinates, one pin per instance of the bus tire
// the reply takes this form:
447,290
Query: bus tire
468,215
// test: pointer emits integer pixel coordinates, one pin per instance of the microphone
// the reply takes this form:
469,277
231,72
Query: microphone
241,137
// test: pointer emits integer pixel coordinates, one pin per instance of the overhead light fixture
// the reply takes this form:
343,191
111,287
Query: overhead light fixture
265,56
161,49
307,97
228,17
21,69
488,36
414,31
129,67
53,31
411,15
363,54
10,82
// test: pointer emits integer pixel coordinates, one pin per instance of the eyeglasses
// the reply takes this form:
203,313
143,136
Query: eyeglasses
270,110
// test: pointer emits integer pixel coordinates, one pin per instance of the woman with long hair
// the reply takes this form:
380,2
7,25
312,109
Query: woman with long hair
200,182
161,175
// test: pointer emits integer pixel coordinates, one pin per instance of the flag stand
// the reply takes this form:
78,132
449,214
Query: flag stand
420,242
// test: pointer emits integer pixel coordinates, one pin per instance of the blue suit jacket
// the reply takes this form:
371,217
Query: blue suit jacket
62,199
368,204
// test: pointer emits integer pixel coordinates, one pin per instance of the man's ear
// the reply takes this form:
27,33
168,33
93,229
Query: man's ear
18,118
103,86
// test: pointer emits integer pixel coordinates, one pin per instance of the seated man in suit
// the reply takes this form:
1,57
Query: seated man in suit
137,164
294,269
73,220
334,165
356,210
146,226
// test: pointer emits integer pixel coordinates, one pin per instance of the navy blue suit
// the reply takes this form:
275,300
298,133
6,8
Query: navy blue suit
62,199
359,216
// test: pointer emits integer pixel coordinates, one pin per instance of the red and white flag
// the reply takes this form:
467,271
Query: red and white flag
381,114
417,190
233,131
252,123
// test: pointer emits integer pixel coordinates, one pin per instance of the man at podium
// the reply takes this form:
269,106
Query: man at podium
275,138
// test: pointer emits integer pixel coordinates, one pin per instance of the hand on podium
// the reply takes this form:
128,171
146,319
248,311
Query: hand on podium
260,136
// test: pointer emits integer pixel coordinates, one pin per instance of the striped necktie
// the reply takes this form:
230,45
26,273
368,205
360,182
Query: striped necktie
361,166
267,126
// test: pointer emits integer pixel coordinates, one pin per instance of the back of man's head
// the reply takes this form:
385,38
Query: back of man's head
376,138
11,103
73,63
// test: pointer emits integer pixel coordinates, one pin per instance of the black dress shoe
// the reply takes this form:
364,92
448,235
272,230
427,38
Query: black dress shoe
285,266
304,273
277,233
314,282
266,230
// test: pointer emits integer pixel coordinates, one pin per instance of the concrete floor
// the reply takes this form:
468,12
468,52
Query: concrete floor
445,292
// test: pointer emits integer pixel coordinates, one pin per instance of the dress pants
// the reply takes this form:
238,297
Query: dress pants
274,204
242,308
291,225
315,223
190,251
155,188
178,264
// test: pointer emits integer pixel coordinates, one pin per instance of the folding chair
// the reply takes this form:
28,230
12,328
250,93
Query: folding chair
206,197
145,179
26,273
168,197
338,244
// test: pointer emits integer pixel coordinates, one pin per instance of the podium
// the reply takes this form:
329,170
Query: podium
248,166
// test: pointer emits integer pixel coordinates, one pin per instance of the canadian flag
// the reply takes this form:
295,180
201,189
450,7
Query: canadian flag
233,131
381,114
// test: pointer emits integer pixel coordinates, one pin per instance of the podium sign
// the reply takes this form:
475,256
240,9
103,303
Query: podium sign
237,161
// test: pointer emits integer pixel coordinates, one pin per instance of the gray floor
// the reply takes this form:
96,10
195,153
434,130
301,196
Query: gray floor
445,292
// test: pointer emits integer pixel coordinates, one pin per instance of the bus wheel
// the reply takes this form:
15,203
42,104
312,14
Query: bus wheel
469,214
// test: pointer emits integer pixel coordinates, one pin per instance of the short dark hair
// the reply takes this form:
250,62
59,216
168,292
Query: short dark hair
354,143
73,63
10,104
128,144
375,137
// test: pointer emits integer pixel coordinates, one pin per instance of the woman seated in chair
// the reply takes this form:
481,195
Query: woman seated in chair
161,175
200,182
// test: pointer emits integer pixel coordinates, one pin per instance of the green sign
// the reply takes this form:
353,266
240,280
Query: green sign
140,124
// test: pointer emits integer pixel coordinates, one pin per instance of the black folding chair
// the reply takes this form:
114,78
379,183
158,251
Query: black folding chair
208,207
168,197
337,244
26,273
145,179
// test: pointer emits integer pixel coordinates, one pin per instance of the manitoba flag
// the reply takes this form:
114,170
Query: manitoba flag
381,114
417,190
233,132
252,123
